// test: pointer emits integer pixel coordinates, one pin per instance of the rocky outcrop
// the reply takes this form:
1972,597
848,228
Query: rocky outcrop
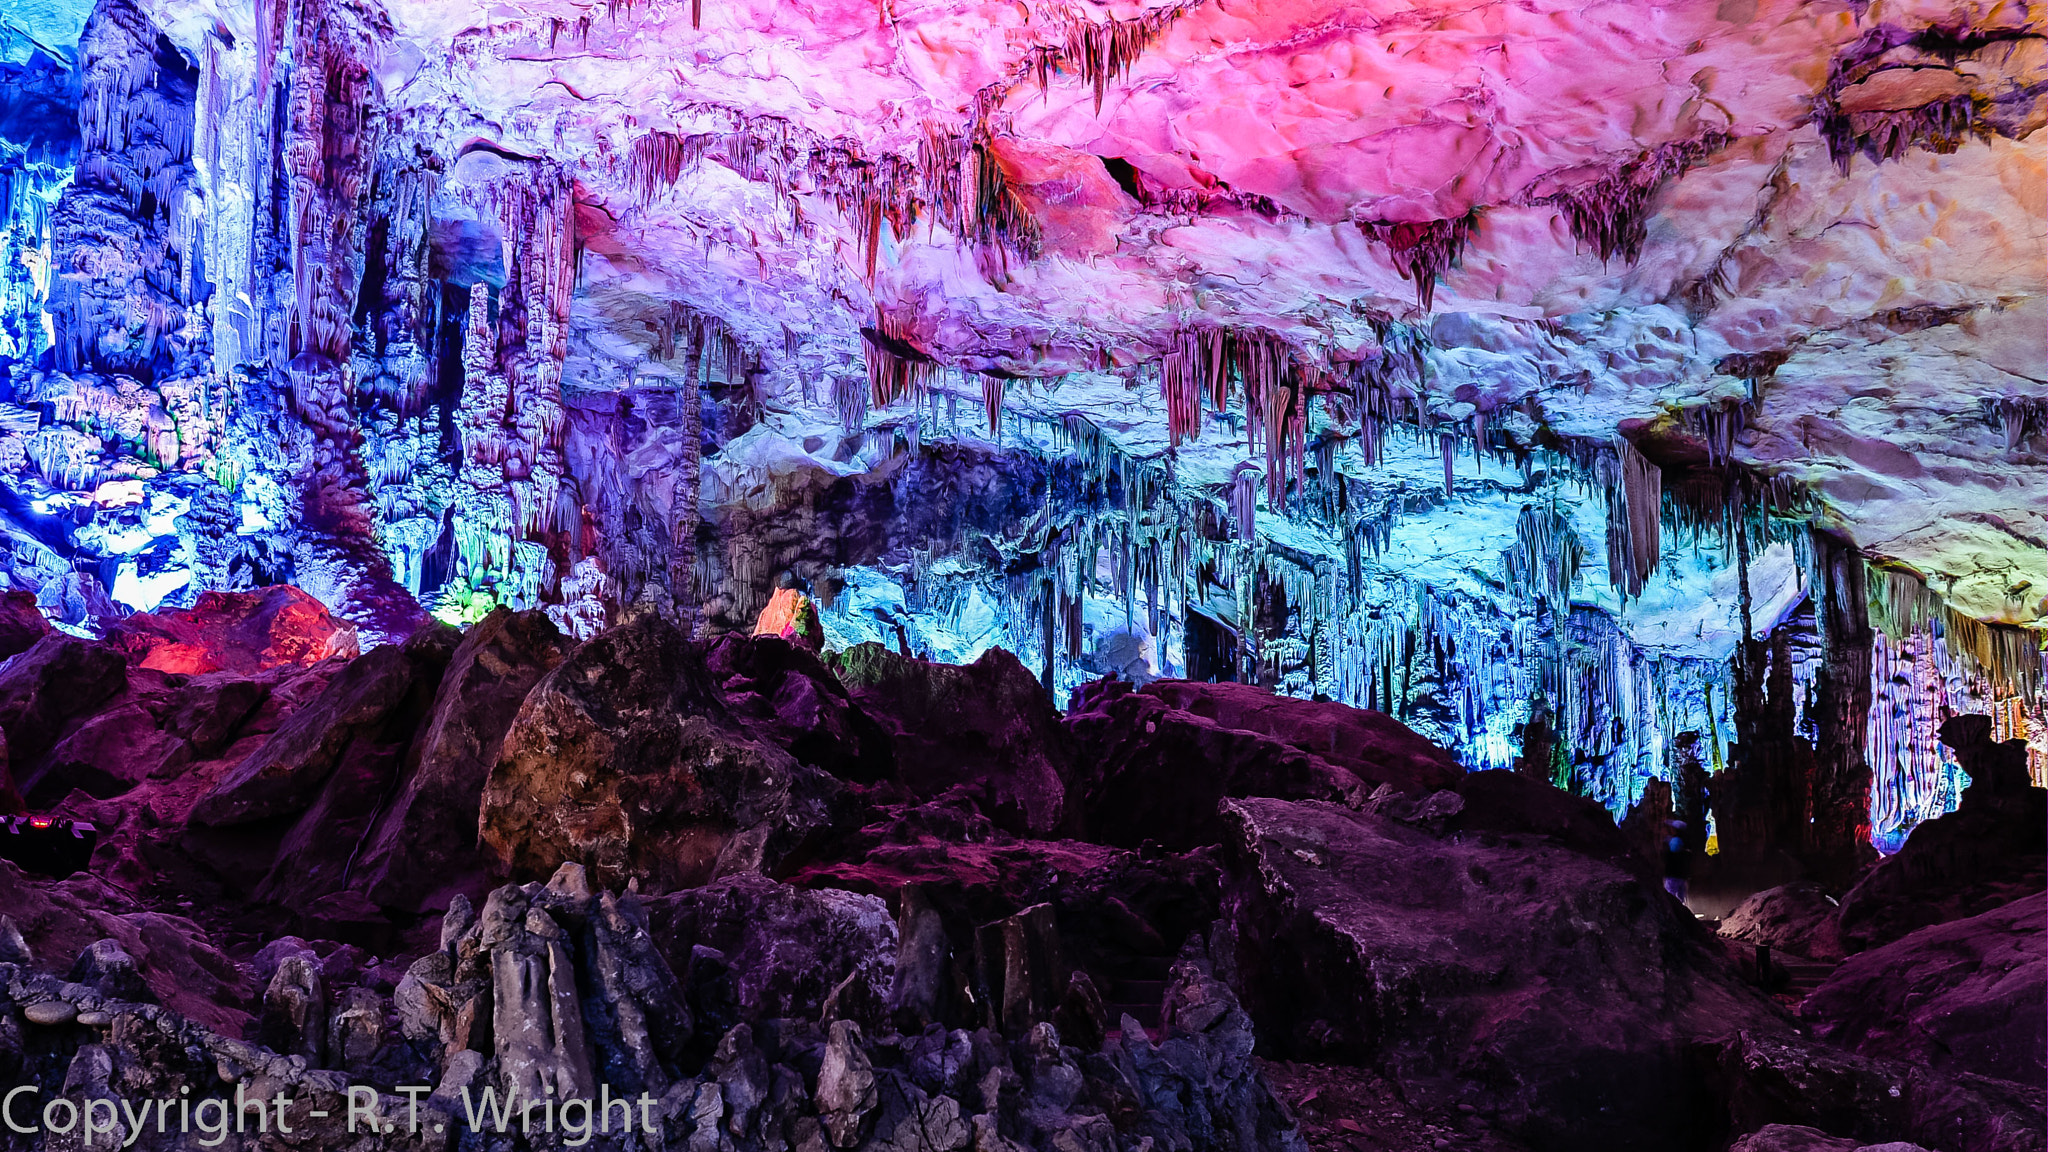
239,632
1797,919
170,954
787,697
1965,996
1763,1080
48,689
1987,853
986,725
21,623
424,846
1372,746
364,718
1155,772
625,759
1557,993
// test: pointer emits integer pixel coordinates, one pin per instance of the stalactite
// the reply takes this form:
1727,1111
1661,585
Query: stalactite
992,385
1422,251
1611,214
1543,563
1634,517
896,367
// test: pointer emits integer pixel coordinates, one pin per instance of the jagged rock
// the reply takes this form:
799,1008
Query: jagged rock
643,1024
424,844
788,697
1507,807
14,948
369,711
1372,746
846,1085
109,970
786,948
240,632
537,1028
1798,919
1965,996
47,689
624,759
987,724
1155,772
355,1032
923,961
1555,992
21,623
1020,964
295,1009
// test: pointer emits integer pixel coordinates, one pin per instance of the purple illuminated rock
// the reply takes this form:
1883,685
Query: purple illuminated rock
1965,996
424,846
987,725
1797,919
1155,772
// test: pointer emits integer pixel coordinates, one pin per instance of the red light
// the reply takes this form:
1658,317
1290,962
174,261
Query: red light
42,822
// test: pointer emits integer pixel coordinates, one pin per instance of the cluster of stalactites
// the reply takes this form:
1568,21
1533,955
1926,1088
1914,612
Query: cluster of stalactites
896,367
1422,251
1611,214
955,178
1543,563
1102,52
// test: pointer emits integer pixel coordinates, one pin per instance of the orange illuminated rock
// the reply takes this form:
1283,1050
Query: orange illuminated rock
792,616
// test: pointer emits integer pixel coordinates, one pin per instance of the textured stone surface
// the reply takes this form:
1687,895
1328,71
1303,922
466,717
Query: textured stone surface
1981,856
987,725
1797,918
786,948
372,704
1965,996
240,632
424,843
624,759
1557,993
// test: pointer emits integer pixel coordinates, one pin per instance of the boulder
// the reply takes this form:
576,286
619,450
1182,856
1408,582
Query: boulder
1797,919
988,725
376,702
22,624
1372,746
1965,996
46,690
1557,993
789,698
1795,1138
241,632
424,845
1155,772
625,759
786,948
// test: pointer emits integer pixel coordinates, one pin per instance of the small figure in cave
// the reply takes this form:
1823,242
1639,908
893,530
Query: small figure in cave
1677,860
791,615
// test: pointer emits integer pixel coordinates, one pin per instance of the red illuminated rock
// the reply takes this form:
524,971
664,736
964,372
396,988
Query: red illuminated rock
242,632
